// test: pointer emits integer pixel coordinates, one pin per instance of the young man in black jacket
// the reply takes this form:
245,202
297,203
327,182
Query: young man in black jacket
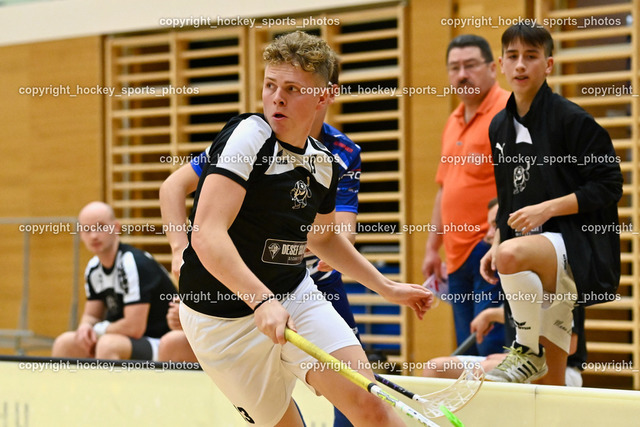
558,178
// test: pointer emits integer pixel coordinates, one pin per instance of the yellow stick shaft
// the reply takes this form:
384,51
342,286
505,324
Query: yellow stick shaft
324,357
355,377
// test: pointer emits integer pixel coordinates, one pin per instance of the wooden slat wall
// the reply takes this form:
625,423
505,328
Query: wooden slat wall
603,56
225,66
184,87
371,46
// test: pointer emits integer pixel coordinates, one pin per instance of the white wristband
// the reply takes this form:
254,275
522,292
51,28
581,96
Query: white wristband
100,328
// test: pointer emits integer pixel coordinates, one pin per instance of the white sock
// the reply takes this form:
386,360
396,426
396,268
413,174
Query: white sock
524,292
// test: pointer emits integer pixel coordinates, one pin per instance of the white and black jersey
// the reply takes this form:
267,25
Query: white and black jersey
567,152
527,171
134,278
285,187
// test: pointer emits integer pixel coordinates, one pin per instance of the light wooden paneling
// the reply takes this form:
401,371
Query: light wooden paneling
51,166
178,90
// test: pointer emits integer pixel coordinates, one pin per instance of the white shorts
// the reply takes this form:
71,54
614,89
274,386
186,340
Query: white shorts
556,322
256,375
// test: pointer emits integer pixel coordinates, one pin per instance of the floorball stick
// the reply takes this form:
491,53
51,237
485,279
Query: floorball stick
445,401
353,376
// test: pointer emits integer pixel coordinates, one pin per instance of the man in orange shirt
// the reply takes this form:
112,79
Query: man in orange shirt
467,184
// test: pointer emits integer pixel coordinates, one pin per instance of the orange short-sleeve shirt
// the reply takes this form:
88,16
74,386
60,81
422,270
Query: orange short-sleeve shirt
466,176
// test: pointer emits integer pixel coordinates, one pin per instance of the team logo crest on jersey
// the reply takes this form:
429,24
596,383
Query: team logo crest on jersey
283,252
274,248
520,178
300,193
111,303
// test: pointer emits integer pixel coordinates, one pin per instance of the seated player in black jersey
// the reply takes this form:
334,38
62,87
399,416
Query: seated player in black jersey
558,177
244,280
128,294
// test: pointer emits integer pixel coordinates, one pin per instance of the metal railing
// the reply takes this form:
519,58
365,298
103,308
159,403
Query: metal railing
23,339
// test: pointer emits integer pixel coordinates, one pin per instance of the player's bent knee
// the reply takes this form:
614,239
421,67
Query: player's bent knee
174,345
509,257
63,345
167,339
64,338
434,367
113,346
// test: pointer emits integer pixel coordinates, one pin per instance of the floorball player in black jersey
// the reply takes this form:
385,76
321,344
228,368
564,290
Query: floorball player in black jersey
244,280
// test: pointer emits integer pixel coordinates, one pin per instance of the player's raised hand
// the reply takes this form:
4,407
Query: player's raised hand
413,296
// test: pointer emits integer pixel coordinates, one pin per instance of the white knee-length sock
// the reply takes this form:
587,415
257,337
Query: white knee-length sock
524,292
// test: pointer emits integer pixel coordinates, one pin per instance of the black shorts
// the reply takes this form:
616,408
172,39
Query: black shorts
145,348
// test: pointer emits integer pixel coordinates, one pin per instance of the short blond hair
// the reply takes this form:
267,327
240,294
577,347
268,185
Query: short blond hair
303,50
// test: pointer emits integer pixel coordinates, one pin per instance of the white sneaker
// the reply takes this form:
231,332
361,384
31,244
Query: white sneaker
519,366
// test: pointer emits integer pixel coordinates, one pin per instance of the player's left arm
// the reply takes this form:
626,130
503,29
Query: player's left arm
336,250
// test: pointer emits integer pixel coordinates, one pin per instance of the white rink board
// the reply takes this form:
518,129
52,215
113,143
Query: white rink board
114,396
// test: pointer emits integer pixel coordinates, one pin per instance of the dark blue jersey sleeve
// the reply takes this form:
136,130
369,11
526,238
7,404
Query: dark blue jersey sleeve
347,154
198,162
348,189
